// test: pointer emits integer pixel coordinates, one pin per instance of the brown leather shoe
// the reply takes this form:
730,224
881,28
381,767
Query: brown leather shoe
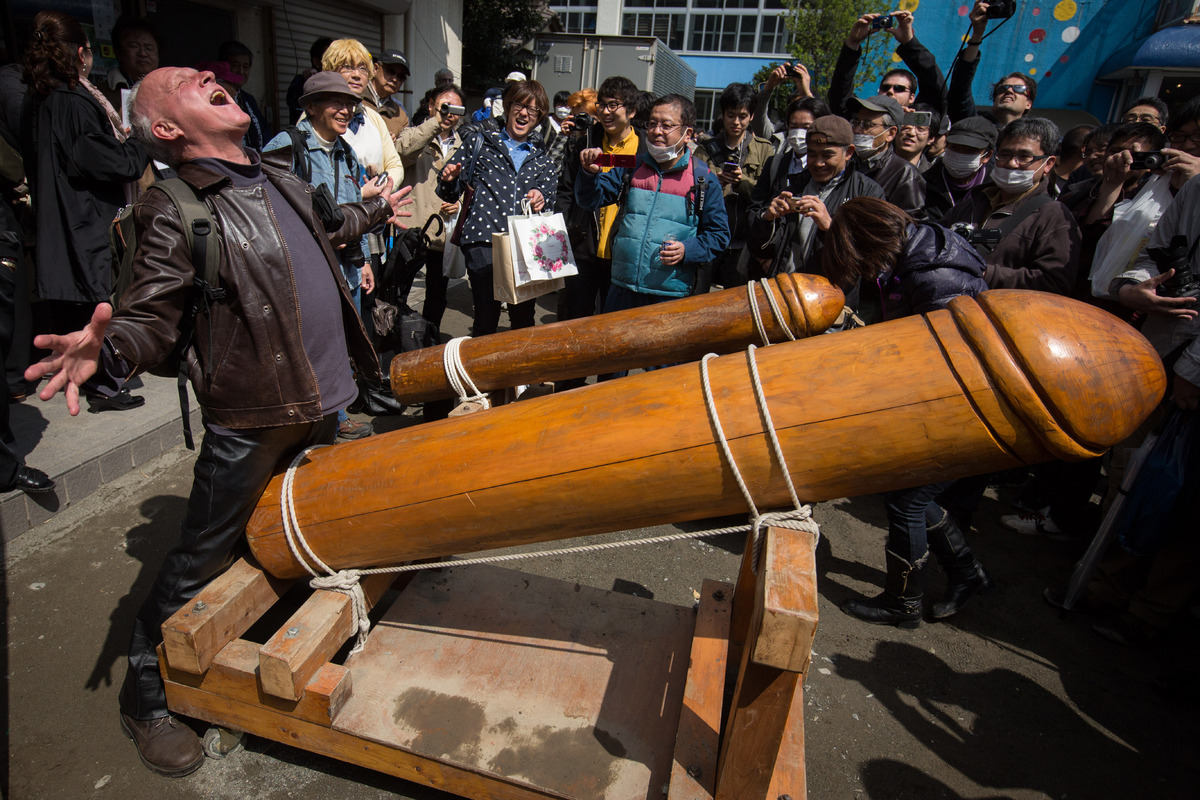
166,746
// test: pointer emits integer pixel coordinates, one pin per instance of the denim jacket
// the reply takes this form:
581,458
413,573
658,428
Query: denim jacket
339,171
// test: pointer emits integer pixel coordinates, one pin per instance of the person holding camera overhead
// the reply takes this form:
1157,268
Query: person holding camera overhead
1012,96
502,166
322,157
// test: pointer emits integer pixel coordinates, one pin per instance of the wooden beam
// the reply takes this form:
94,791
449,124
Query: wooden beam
788,588
318,629
698,741
790,777
233,674
220,613
315,738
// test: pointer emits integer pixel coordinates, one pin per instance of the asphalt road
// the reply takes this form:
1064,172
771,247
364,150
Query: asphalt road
1005,700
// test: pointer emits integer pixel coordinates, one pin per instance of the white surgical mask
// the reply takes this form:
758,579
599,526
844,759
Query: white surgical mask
664,154
561,112
1013,180
961,165
797,141
864,145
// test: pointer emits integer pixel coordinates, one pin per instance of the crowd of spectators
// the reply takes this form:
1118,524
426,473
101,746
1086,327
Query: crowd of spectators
905,197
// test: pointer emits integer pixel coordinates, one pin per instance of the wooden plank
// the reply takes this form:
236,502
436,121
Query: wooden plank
318,629
698,741
790,775
568,688
742,613
220,613
789,601
233,675
280,727
758,719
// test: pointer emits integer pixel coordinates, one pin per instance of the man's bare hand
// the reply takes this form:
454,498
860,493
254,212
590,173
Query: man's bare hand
397,200
783,204
978,17
1183,167
537,201
1144,297
73,359
367,279
587,159
859,31
374,188
671,253
903,29
451,172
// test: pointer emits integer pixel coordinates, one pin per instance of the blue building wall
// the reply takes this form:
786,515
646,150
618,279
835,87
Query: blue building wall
1061,43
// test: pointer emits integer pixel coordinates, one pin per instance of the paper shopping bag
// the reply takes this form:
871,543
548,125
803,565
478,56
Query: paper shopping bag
543,249
505,285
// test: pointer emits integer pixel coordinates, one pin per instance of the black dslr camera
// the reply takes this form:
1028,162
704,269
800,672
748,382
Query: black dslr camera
1001,9
988,237
1176,255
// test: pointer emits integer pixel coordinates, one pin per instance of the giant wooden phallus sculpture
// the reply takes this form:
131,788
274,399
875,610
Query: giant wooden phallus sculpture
1013,378
683,330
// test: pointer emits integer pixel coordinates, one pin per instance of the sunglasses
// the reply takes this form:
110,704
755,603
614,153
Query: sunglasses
1017,88
884,88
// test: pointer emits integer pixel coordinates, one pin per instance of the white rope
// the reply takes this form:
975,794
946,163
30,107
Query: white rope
799,518
456,373
775,310
348,581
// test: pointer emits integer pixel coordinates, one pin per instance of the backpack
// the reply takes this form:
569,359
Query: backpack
198,224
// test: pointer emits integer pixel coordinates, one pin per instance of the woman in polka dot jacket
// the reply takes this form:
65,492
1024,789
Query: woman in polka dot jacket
511,166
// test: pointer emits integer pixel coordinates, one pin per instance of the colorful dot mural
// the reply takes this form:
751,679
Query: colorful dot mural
1037,35
1070,34
1065,10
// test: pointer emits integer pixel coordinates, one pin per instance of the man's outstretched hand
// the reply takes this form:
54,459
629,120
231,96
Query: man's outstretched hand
73,358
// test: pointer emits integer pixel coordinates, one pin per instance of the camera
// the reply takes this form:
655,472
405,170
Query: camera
1001,9
447,109
796,70
886,21
988,237
1184,283
1151,159
580,121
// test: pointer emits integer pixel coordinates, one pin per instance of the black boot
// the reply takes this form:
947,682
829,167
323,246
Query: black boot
900,603
965,574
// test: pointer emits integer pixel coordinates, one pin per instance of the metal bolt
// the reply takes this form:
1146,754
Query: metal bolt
200,606
293,632
718,595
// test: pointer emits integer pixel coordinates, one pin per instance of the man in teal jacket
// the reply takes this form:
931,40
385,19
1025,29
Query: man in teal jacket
672,218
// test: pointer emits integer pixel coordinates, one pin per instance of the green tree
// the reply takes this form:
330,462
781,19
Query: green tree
818,29
493,33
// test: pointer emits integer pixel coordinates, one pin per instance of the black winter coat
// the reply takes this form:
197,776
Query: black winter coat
76,170
936,266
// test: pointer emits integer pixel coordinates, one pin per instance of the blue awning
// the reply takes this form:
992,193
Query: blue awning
1177,47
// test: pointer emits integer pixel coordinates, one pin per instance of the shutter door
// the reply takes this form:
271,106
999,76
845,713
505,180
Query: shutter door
298,23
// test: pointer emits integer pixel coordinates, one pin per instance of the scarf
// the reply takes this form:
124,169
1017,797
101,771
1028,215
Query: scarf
114,119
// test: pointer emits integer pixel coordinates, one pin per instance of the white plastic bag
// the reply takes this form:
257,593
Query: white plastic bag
542,247
1129,232
453,263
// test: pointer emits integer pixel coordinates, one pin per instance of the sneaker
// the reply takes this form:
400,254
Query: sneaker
1035,524
165,745
350,429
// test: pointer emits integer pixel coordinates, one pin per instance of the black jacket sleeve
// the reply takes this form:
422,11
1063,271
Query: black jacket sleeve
841,85
930,82
959,102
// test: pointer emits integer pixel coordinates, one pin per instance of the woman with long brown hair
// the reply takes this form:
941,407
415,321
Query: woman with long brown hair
916,268
81,169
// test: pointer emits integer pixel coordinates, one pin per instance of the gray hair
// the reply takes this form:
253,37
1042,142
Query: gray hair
142,131
1042,130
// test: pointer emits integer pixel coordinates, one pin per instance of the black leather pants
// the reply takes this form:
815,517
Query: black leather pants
230,475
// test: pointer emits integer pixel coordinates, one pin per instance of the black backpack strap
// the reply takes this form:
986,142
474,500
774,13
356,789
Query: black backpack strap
301,163
198,226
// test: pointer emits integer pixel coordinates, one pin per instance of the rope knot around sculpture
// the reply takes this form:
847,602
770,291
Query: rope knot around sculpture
348,581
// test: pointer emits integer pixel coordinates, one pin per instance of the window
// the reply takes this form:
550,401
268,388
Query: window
667,27
723,33
774,38
578,21
707,102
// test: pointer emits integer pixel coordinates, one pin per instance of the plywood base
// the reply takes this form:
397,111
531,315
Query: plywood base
489,683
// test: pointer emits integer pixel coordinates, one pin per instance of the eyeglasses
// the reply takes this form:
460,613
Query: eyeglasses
665,127
610,106
1151,118
865,125
534,110
1015,88
350,70
884,88
1022,160
1179,137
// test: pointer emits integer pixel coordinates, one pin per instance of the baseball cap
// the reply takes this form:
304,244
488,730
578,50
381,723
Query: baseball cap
392,58
880,104
835,129
515,75
973,132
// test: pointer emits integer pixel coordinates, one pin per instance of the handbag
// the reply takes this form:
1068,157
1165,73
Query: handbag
453,263
505,284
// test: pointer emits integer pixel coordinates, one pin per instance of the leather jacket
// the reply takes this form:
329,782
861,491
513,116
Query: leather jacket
902,184
247,361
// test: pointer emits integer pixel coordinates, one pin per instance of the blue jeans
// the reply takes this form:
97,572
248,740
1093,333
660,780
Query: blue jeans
910,513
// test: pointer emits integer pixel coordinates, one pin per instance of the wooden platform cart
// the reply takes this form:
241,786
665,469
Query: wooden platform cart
491,683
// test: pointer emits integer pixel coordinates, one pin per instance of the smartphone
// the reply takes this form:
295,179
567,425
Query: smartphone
615,160
382,179
921,119
731,166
